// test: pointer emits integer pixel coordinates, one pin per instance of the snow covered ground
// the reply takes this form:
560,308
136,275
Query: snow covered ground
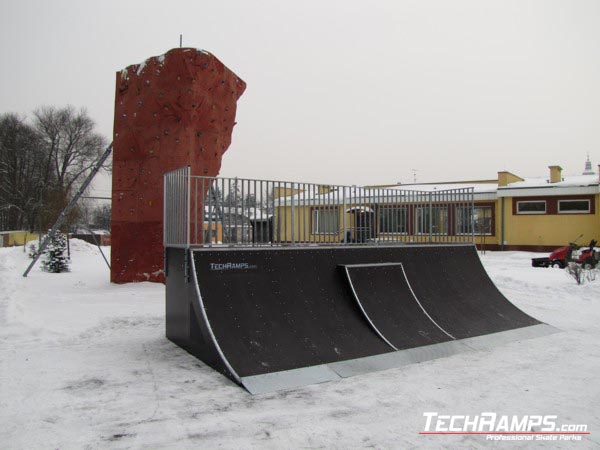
85,364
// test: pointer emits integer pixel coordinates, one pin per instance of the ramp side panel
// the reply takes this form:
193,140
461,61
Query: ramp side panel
177,306
277,310
388,303
185,325
457,292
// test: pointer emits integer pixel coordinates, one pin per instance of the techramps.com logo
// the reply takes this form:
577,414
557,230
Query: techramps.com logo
232,266
496,427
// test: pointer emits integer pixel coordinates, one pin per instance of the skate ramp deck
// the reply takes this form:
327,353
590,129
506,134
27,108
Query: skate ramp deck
279,318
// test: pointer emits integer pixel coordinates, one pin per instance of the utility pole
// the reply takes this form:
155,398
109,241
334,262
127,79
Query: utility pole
414,171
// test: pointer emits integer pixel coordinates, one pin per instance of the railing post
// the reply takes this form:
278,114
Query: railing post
189,205
166,201
344,224
293,215
472,192
430,218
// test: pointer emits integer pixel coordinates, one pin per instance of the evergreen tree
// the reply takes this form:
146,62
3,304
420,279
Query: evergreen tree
55,256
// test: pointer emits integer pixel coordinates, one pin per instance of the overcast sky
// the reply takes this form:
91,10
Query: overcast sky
348,92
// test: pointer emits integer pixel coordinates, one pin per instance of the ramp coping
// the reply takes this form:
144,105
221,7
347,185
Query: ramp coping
206,321
372,264
314,246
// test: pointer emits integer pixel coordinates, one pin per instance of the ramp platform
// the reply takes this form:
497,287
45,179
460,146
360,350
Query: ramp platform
276,318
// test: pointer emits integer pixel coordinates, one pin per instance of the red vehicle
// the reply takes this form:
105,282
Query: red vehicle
588,257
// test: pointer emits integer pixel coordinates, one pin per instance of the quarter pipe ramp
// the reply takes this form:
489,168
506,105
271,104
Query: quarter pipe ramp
278,318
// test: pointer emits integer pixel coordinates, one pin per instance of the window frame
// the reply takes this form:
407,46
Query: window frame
588,211
316,220
392,208
475,233
418,220
524,213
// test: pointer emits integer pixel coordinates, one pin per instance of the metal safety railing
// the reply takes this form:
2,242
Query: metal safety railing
209,211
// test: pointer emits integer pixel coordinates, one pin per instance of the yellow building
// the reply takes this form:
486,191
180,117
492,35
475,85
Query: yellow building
535,214
542,214
14,238
509,213
393,214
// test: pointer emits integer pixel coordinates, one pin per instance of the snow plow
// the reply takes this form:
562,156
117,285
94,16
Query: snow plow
588,256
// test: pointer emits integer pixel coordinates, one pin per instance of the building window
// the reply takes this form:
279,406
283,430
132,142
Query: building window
432,220
325,221
573,206
393,220
482,220
531,207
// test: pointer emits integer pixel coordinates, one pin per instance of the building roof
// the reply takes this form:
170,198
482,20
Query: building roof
391,194
568,181
87,231
570,185
482,189
478,187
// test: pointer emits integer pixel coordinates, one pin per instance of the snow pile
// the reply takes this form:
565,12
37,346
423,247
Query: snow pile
78,246
84,363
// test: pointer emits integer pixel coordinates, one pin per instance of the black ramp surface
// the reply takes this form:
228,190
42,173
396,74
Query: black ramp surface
279,310
456,291
385,297
264,310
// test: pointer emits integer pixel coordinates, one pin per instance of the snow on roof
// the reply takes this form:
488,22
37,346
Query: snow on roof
487,190
86,231
249,212
478,188
568,181
386,194
160,58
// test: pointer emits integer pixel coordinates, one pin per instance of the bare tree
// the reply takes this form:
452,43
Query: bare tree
20,173
42,164
70,147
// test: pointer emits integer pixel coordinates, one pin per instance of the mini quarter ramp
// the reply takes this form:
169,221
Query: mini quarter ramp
277,318
386,299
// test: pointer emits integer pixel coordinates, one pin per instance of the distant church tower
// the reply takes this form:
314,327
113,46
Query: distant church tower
588,167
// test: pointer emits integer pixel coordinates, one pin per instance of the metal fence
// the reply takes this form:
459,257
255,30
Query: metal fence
208,211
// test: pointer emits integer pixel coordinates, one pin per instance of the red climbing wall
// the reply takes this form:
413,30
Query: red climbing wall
172,110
